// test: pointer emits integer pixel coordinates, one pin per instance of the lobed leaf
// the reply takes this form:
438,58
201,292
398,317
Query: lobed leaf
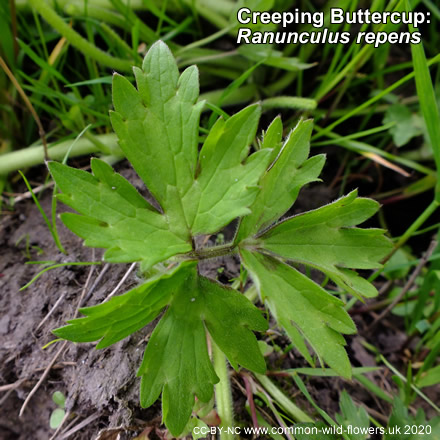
290,171
229,318
157,125
226,183
304,309
123,315
176,359
115,216
401,419
353,415
325,239
272,138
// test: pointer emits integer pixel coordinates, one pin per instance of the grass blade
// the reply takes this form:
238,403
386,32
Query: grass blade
428,103
55,266
46,220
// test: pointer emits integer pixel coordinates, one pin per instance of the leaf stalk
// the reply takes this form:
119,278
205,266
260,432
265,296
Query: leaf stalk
223,394
210,252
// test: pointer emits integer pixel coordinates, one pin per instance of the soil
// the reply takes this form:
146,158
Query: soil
100,385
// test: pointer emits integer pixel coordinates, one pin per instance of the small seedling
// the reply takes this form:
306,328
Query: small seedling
58,413
201,192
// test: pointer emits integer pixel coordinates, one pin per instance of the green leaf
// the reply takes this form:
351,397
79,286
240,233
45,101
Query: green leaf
354,416
407,124
56,418
290,171
176,359
431,282
229,316
59,398
115,216
326,240
401,419
157,124
272,138
429,378
303,309
123,315
197,423
226,184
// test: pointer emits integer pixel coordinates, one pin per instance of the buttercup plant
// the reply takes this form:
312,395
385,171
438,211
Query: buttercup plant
201,192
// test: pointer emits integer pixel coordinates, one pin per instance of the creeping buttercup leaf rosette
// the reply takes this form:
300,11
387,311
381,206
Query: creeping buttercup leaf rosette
200,192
